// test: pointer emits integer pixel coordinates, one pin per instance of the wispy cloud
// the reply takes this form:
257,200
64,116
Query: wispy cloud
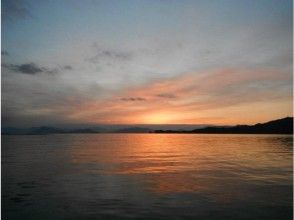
133,99
102,54
166,95
190,63
200,96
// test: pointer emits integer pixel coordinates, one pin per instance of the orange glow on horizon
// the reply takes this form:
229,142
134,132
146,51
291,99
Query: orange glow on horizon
220,97
159,118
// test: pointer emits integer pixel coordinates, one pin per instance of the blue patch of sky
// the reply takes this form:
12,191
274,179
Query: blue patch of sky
55,22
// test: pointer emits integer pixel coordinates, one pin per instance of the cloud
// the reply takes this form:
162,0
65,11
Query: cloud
27,68
33,101
67,67
145,60
133,99
166,95
201,98
33,69
4,53
102,54
115,54
218,96
14,10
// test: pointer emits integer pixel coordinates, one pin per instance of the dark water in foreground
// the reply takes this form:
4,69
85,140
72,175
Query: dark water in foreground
147,176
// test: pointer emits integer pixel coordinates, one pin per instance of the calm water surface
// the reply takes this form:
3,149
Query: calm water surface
147,176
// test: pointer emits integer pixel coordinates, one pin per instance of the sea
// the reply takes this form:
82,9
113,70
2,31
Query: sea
147,176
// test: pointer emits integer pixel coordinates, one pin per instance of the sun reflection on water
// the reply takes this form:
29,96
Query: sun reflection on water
182,163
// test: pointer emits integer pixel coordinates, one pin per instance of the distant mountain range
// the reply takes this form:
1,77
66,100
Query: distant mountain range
143,128
280,126
46,130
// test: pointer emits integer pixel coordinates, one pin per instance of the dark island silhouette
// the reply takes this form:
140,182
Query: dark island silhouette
279,126
43,130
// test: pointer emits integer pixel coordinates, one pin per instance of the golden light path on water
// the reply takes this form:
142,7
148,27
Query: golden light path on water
182,163
147,176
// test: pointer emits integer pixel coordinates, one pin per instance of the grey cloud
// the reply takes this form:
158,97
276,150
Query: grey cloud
41,101
133,99
33,69
51,71
166,95
14,10
106,54
116,54
41,98
27,68
67,67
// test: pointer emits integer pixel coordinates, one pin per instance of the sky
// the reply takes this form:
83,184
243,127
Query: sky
218,62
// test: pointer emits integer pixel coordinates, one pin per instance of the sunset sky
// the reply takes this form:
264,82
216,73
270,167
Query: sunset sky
146,62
